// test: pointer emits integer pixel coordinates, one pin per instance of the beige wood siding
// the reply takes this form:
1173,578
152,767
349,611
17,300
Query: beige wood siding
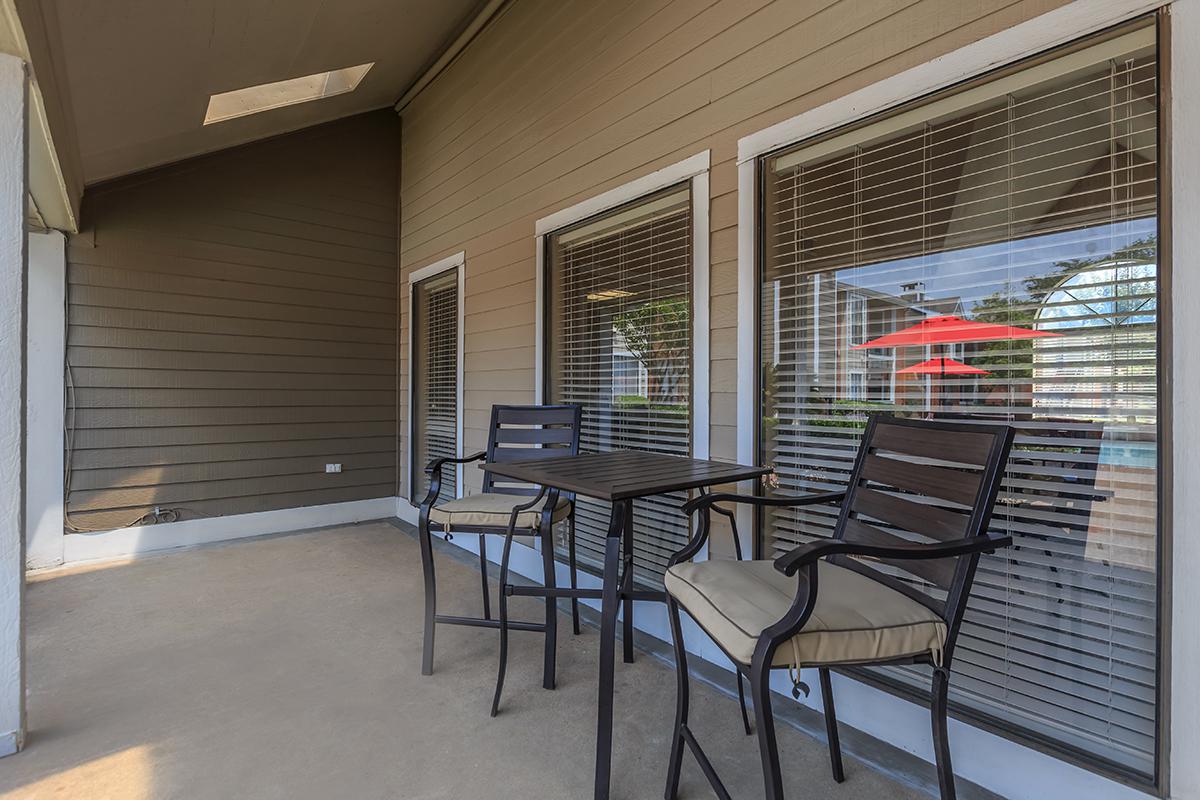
232,329
559,100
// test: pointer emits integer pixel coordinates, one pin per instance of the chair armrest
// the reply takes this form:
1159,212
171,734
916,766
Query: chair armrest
789,563
806,500
517,509
434,471
436,464
805,557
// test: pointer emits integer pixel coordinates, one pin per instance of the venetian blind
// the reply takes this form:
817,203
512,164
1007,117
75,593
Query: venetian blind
1029,201
620,345
435,380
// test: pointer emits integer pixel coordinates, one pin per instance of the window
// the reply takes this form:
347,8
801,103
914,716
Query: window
619,306
856,385
1027,200
436,375
856,318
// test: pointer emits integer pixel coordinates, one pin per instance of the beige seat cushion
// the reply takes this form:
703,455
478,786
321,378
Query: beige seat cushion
856,620
492,510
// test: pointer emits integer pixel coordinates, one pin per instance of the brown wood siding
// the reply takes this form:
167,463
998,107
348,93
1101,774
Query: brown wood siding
232,329
560,100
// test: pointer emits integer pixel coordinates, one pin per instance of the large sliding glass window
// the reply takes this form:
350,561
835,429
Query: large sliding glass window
620,344
992,254
435,378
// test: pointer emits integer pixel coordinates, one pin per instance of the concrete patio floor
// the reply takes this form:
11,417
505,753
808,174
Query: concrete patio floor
288,667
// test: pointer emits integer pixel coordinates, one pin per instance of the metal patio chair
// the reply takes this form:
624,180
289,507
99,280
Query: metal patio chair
889,587
516,432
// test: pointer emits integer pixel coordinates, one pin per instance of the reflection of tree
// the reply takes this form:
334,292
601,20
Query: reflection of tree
770,389
658,334
1015,357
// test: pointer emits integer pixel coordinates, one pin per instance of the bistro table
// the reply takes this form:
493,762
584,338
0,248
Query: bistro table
619,477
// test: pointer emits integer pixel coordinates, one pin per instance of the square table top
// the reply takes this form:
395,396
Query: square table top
623,474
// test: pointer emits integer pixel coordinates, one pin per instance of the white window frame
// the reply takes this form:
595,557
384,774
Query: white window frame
857,322
856,385
1002,765
694,170
457,262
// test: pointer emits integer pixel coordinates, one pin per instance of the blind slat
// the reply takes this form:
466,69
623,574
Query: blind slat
435,380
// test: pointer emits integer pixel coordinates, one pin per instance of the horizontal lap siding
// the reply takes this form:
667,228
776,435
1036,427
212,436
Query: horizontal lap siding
233,327
560,100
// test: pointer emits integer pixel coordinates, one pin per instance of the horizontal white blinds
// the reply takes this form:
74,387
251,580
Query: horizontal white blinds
620,345
435,380
1033,206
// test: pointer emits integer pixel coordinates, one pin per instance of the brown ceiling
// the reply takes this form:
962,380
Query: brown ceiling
136,75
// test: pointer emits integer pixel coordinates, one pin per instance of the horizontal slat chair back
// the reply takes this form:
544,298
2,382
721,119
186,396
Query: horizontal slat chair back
919,482
526,433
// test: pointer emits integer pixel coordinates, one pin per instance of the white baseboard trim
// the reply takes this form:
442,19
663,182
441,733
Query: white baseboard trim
9,743
124,542
406,510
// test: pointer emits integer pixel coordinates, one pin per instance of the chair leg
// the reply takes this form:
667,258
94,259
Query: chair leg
430,596
742,702
764,722
831,729
941,741
483,576
574,572
681,701
549,581
627,577
503,624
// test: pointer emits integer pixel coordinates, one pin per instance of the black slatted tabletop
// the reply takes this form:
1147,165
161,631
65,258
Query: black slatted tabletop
624,474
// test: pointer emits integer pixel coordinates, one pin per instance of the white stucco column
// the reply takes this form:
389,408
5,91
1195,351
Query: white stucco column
1185,406
12,401
46,339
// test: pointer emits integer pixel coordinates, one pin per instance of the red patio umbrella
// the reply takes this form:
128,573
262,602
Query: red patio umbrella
942,366
951,330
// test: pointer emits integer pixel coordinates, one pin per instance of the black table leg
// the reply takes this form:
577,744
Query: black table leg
609,602
627,629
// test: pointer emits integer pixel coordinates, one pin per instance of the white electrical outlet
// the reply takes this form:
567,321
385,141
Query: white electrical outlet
331,468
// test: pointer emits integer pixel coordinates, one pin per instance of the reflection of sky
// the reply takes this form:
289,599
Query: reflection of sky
975,273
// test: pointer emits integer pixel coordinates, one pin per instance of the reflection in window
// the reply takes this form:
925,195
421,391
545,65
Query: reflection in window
856,318
621,346
1018,218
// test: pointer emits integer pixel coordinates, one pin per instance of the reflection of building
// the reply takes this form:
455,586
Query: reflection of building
833,316
1102,371
1107,313
869,314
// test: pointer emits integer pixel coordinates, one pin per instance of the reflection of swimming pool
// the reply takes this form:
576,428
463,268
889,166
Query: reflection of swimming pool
1127,454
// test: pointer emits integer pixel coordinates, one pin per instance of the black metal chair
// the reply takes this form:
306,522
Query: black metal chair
894,581
516,432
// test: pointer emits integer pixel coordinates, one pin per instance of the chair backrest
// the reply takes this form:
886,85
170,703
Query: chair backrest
522,433
920,481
